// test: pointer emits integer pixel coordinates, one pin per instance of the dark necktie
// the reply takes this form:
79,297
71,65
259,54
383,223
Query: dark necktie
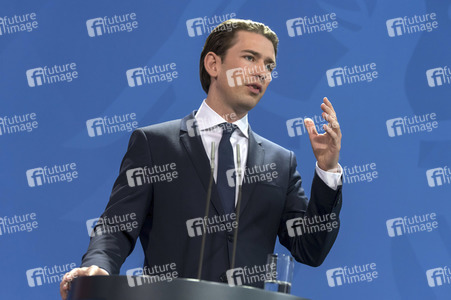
226,190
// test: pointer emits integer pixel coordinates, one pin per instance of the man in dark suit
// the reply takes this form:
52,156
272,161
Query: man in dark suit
166,173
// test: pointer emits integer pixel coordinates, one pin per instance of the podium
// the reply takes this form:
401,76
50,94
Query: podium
118,287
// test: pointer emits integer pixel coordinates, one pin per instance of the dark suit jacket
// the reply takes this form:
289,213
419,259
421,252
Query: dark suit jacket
163,208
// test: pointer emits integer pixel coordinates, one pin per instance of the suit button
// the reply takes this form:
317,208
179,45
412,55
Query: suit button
230,237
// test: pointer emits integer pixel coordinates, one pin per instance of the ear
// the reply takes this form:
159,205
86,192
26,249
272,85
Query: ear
212,64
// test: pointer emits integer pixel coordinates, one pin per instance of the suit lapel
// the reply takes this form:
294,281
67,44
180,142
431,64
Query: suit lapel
193,145
255,156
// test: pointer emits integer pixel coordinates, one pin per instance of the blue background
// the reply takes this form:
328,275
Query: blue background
62,109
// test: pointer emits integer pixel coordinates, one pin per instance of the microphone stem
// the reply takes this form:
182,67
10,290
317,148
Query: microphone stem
238,205
207,209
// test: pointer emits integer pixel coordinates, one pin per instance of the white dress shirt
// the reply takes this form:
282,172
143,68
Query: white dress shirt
207,123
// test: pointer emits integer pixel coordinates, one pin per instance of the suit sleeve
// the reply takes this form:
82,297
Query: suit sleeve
120,224
313,225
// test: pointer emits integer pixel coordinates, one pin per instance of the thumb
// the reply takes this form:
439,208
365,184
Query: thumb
310,126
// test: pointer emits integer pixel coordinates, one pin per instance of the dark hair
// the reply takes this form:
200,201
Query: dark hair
223,37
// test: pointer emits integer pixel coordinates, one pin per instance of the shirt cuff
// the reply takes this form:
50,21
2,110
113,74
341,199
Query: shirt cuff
331,179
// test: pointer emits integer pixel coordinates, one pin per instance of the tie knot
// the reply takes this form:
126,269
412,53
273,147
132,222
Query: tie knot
227,128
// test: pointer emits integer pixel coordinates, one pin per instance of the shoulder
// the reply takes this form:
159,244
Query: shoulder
161,126
271,146
166,132
161,129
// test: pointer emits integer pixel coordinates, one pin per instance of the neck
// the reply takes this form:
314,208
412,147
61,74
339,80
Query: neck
227,112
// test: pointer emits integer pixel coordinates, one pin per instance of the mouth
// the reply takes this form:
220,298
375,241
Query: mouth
255,88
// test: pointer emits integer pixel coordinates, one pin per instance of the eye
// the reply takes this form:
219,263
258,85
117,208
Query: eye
249,58
270,67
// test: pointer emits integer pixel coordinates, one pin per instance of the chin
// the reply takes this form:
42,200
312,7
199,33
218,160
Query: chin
248,102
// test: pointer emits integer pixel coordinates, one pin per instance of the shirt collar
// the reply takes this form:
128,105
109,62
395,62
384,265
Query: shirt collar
207,118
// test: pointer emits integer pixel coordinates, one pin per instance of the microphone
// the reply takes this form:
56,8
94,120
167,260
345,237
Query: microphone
238,205
207,209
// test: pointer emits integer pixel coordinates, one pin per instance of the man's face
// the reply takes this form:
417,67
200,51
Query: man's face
245,71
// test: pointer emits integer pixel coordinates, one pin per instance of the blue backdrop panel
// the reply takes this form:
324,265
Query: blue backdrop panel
67,67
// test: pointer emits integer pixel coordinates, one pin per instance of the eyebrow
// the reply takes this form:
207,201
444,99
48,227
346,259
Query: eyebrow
268,60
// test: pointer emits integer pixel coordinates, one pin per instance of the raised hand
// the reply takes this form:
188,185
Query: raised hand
326,147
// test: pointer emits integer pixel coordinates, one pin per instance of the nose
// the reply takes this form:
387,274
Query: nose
262,72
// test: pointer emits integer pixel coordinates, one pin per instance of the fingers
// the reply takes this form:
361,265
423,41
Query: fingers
66,282
332,133
330,116
329,113
310,126
328,107
74,273
333,129
333,123
64,289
